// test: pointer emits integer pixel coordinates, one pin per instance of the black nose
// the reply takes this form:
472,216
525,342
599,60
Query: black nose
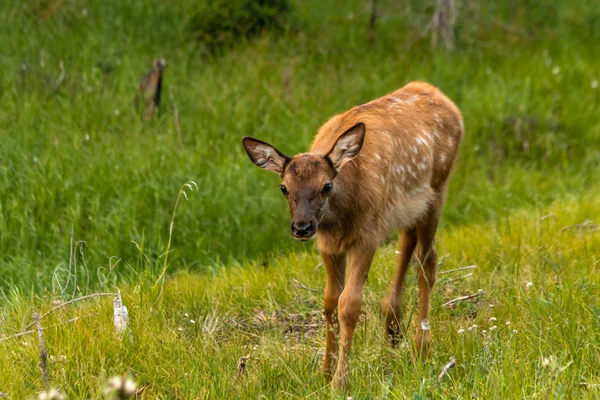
302,228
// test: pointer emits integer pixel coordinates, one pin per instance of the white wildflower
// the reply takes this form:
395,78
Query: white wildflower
122,386
192,321
556,70
493,328
493,319
594,84
52,394
461,331
529,284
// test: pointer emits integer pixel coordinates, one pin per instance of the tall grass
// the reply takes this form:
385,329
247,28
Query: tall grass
75,154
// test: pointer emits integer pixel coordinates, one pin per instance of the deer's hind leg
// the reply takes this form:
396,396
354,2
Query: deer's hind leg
426,271
392,304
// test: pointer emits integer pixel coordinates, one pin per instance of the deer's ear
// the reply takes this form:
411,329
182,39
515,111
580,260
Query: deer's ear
347,146
264,155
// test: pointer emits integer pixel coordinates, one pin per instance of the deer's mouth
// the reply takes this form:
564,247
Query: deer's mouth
304,238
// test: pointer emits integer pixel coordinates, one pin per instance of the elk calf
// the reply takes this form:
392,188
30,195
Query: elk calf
378,167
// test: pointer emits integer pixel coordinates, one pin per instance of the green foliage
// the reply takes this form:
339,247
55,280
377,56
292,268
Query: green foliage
221,23
75,157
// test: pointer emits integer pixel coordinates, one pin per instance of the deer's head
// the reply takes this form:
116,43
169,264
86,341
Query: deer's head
308,179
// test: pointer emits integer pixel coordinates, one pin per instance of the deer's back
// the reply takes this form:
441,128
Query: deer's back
410,146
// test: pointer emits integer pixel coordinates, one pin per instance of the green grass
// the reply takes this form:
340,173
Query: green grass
76,157
87,192
258,310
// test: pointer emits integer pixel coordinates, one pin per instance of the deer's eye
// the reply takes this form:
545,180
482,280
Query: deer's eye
326,188
283,189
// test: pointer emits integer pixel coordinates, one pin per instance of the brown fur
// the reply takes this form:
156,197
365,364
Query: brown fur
397,181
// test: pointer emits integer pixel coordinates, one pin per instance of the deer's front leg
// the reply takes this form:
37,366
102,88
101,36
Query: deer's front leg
335,267
349,306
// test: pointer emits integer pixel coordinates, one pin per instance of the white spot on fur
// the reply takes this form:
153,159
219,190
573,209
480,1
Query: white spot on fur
436,134
422,166
443,158
428,135
414,149
437,118
382,179
377,156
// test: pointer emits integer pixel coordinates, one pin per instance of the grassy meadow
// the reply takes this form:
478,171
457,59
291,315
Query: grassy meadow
88,190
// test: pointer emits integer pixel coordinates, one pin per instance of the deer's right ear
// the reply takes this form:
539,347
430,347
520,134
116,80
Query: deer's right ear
264,155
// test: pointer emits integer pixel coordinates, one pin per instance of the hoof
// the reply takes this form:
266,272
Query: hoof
340,380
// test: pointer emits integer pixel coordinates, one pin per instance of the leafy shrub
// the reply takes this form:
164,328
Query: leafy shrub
218,23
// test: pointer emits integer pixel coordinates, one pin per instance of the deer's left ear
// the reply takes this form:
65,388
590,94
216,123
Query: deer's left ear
347,146
264,155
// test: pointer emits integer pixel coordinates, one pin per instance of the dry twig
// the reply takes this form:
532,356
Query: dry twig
587,224
319,265
17,335
300,285
457,269
66,303
462,298
458,278
590,386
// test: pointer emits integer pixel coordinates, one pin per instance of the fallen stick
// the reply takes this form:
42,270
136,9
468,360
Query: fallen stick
462,298
447,368
43,354
589,385
17,335
89,296
587,224
300,285
319,265
459,277
457,269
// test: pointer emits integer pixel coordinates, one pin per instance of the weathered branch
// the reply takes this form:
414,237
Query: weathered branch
18,335
457,269
462,298
89,296
300,285
458,278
